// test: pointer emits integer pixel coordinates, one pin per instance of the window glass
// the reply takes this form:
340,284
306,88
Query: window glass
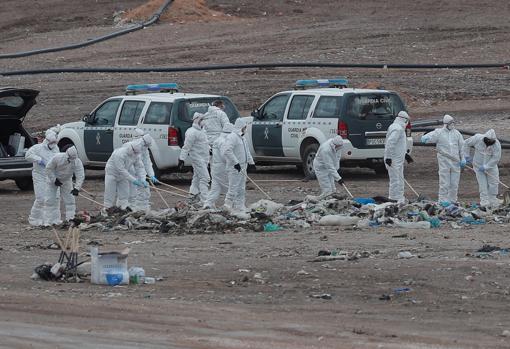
328,107
374,106
275,108
200,105
130,112
158,113
11,101
105,114
299,107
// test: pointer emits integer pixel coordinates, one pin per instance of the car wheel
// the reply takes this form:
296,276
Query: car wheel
308,157
24,183
64,144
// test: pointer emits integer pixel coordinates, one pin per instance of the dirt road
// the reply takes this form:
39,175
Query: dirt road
210,296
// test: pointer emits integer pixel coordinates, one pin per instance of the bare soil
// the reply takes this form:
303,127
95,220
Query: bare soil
204,301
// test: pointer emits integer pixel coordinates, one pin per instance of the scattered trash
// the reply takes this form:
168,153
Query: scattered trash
338,220
271,227
401,290
149,280
322,296
405,255
136,275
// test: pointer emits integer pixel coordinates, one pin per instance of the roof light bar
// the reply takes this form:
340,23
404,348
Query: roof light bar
148,88
337,82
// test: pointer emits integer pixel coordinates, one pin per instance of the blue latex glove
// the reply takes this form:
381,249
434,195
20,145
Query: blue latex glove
138,183
424,139
482,168
462,163
145,184
154,180
41,163
469,160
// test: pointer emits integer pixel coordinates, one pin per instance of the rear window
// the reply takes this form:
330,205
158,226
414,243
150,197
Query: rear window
200,105
373,106
328,107
158,113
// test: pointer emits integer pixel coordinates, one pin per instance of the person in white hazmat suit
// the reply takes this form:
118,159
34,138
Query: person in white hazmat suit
485,162
139,196
219,182
60,171
395,151
214,121
327,163
40,155
450,158
238,158
196,147
117,176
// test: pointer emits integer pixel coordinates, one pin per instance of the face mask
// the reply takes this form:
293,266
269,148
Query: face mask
488,142
450,126
51,146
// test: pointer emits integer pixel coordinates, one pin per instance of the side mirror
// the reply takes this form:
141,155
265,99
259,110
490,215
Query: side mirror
87,118
255,114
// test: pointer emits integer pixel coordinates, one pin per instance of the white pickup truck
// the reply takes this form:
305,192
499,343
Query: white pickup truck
289,127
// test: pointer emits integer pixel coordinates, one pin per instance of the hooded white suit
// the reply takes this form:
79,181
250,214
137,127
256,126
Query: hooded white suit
448,141
485,162
327,163
236,151
213,122
395,148
40,155
62,167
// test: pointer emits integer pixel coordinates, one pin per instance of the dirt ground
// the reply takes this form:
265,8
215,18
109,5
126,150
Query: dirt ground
205,299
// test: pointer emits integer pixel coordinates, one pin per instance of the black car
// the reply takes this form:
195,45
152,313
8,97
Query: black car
14,139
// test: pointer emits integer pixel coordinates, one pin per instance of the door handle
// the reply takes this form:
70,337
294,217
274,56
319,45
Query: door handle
109,132
278,125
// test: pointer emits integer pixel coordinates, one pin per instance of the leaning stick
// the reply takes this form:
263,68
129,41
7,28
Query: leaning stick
172,187
169,192
258,187
347,190
159,193
91,200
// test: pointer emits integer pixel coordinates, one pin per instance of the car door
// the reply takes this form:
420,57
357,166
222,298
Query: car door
98,132
267,126
295,124
125,126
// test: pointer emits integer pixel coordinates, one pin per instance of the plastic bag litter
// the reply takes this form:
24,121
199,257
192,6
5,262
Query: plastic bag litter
333,220
271,227
412,225
266,206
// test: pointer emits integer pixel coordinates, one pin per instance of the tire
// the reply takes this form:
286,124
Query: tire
380,170
25,183
307,159
65,143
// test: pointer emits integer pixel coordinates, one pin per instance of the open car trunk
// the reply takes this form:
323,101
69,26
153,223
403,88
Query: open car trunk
14,140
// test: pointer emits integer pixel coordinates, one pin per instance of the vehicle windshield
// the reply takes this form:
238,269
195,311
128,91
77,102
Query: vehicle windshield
200,105
374,106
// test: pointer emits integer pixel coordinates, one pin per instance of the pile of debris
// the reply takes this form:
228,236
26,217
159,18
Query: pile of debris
266,215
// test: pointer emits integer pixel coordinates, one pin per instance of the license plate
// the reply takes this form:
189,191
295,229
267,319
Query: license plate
375,141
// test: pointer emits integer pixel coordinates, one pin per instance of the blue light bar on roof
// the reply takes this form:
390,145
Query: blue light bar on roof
337,82
147,88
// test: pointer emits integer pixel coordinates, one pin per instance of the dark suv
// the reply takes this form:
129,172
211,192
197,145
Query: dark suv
14,139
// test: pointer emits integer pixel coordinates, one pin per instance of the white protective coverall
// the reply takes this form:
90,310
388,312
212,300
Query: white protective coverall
219,173
213,122
40,155
117,176
395,148
196,147
236,152
62,167
485,163
327,163
139,196
448,141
